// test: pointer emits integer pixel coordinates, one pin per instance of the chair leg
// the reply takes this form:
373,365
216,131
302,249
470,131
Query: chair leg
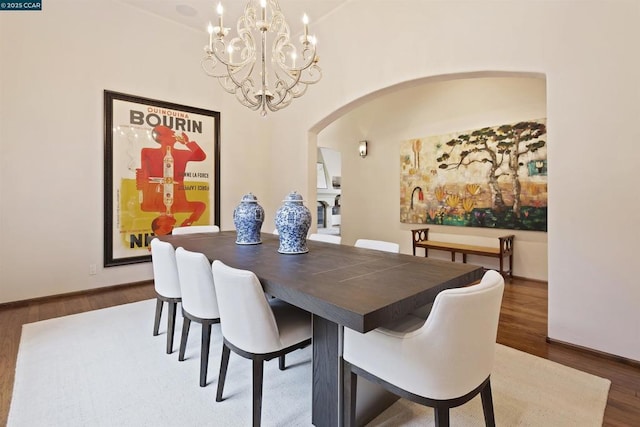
487,405
224,363
511,267
171,325
442,416
349,398
156,322
204,353
281,361
183,338
257,391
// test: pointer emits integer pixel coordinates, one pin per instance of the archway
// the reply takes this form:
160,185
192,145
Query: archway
428,106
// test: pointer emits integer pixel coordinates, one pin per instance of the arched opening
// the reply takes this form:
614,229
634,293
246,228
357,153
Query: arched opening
429,106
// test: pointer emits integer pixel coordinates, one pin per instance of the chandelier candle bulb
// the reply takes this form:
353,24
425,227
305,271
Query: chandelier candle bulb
219,9
263,6
210,31
305,21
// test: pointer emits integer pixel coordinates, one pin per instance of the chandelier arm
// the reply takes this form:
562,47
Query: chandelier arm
282,44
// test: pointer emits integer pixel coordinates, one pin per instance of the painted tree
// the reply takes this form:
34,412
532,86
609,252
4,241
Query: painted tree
500,149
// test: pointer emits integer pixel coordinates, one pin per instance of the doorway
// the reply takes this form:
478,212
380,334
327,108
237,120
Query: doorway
329,190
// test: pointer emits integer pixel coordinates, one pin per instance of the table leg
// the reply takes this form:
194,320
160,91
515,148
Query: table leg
327,380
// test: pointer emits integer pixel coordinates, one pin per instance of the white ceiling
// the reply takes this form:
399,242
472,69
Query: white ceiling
197,13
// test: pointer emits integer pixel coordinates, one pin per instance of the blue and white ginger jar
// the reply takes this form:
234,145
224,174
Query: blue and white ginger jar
293,220
248,217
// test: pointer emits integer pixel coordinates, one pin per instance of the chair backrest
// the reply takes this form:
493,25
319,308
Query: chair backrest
195,229
246,318
378,245
460,335
165,270
329,238
196,283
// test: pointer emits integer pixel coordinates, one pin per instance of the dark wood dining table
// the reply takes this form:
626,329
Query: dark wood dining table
339,285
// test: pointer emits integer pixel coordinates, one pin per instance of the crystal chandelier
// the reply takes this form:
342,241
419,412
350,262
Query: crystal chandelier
240,63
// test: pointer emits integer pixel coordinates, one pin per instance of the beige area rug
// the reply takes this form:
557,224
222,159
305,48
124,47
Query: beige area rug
104,368
527,391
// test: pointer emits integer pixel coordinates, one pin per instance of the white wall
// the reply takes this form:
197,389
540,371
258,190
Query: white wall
593,103
332,163
56,63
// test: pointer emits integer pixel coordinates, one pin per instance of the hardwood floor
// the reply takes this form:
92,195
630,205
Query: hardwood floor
523,325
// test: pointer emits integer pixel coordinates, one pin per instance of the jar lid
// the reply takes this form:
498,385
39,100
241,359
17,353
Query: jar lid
249,198
294,197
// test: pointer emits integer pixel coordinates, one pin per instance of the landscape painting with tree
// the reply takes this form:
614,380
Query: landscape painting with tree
491,177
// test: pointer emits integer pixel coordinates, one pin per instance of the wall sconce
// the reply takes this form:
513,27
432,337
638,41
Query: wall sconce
362,148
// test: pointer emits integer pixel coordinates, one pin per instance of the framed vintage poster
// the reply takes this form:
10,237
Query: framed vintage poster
162,170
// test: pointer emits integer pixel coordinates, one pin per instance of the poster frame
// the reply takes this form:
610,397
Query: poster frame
111,149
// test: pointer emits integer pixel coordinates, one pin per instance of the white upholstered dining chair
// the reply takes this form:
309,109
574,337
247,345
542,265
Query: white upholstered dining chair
255,327
379,245
199,302
442,362
329,238
190,229
167,286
